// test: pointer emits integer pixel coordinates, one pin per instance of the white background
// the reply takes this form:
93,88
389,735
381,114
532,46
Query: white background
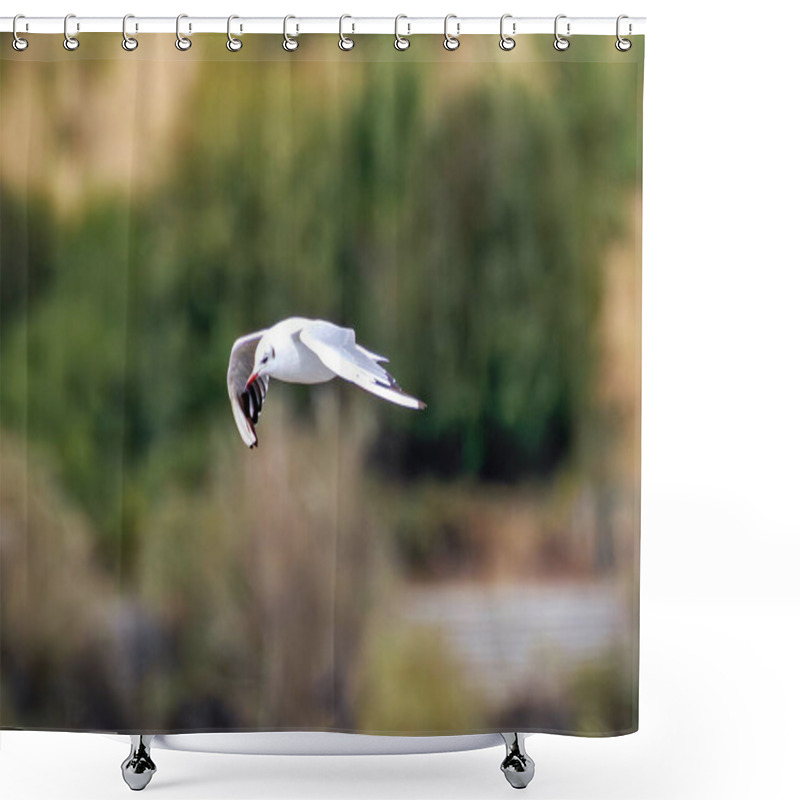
720,674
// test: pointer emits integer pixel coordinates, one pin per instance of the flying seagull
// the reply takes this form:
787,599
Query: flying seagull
299,350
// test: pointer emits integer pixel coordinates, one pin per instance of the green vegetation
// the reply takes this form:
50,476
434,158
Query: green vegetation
465,243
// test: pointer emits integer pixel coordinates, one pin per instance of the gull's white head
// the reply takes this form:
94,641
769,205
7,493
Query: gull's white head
265,354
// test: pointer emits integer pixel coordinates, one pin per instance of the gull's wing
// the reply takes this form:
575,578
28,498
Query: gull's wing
336,348
246,402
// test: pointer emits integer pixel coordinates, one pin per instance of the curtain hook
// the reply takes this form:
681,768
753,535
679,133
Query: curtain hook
129,43
233,44
182,42
451,42
290,43
18,43
506,42
623,45
560,43
70,42
345,42
400,42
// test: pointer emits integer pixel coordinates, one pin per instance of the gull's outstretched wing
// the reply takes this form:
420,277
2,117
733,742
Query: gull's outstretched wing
246,401
336,348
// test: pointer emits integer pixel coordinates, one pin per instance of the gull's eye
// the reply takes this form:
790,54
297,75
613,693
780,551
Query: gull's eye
268,356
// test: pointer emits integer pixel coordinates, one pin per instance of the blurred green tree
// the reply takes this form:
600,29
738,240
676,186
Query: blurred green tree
458,226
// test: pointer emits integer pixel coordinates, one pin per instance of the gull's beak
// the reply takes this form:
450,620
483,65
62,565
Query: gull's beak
252,378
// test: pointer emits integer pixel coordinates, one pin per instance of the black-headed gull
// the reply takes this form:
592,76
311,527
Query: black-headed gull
299,350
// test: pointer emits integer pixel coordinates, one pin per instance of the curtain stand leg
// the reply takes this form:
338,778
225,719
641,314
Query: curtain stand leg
138,768
517,766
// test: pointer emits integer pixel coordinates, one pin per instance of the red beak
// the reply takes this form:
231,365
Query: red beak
253,377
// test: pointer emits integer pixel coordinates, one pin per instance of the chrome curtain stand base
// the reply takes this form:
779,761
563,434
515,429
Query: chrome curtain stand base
517,766
138,768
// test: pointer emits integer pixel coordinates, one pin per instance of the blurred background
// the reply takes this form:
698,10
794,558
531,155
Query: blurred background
474,217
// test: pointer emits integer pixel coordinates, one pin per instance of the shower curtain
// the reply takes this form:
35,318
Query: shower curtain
320,388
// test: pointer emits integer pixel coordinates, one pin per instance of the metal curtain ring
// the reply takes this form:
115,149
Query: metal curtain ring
400,42
560,43
345,42
70,42
18,43
233,44
451,42
129,43
506,42
623,45
182,42
290,43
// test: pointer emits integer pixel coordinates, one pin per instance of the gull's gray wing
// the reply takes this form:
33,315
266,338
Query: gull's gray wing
336,348
246,401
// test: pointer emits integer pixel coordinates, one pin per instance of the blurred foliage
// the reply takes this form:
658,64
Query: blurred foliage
459,230
229,621
602,694
409,678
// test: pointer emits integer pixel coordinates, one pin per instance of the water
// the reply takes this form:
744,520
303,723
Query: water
507,636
